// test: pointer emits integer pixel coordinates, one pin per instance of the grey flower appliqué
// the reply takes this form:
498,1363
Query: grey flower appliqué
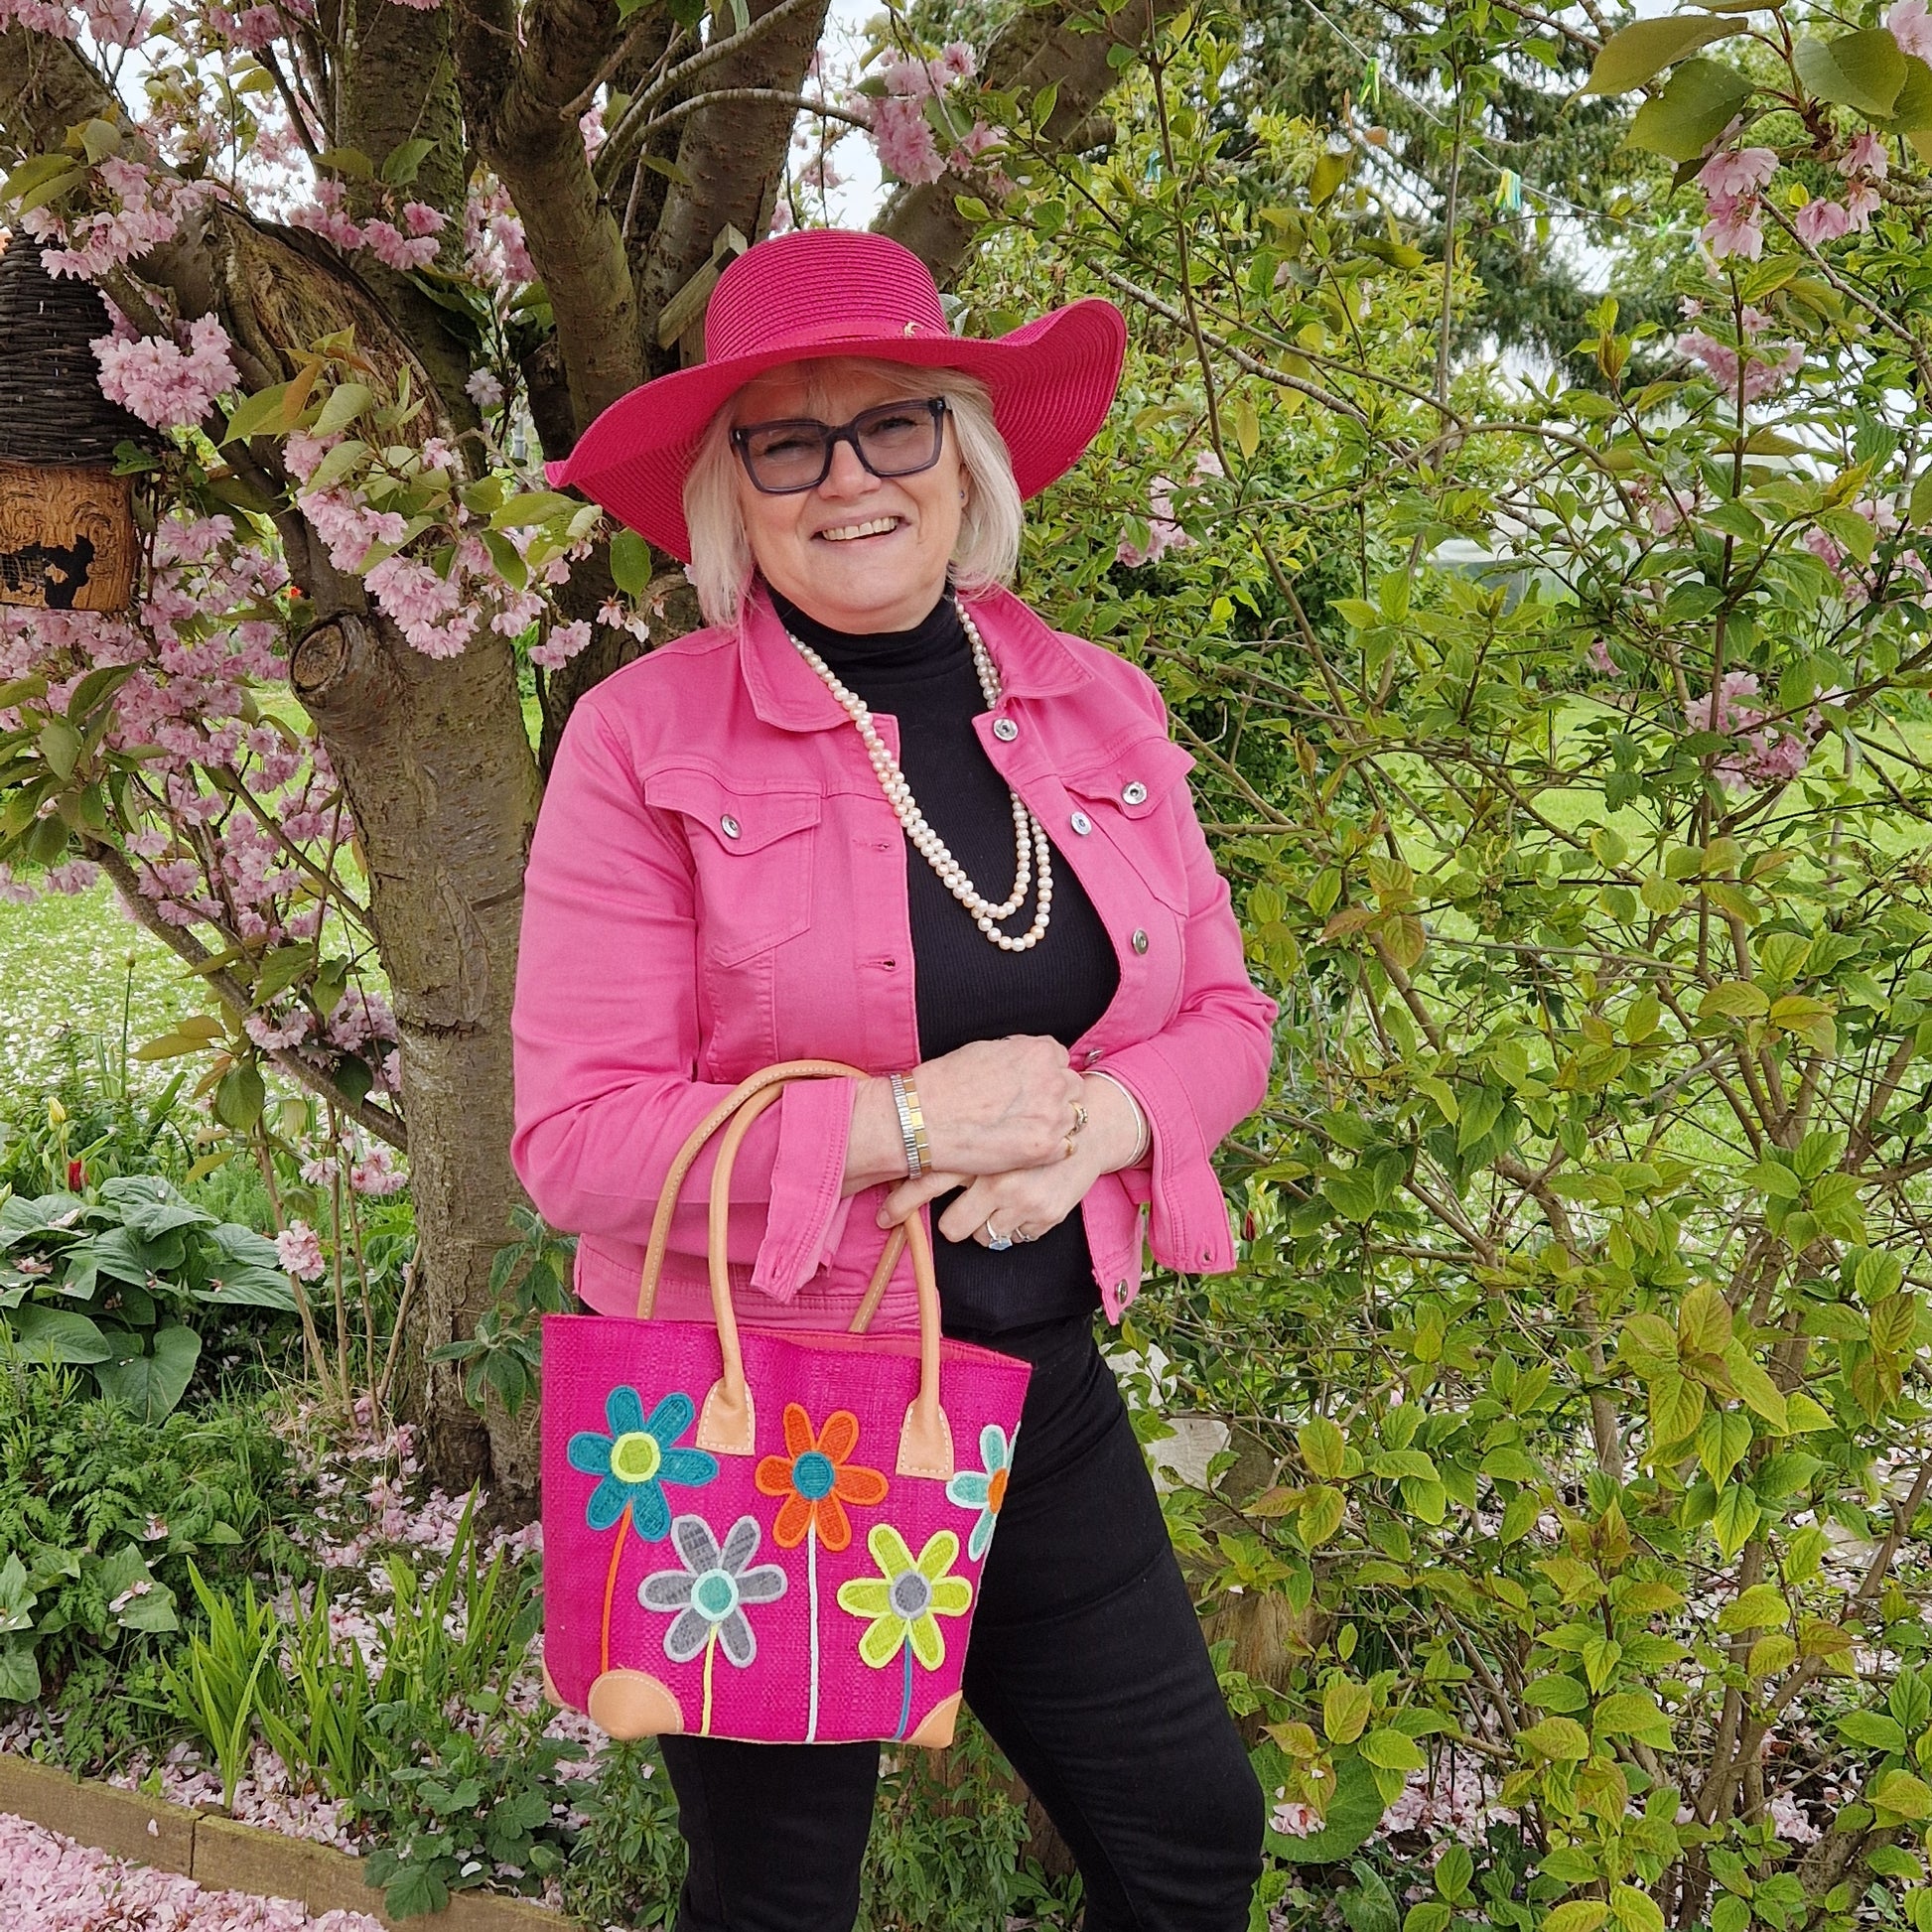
710,1592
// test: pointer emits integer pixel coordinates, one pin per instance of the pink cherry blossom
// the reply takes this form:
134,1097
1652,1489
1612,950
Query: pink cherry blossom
904,138
1736,171
155,381
563,643
1862,203
1817,222
1736,227
299,1249
485,389
1911,28
1866,155
385,241
422,219
375,1173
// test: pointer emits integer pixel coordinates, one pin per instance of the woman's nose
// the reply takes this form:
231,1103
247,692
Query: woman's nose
848,476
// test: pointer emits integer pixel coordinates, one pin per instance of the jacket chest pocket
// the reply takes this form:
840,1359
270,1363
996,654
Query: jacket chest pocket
1128,797
752,851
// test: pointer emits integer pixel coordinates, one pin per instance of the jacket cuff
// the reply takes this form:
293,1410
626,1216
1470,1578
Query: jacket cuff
1187,1223
807,1212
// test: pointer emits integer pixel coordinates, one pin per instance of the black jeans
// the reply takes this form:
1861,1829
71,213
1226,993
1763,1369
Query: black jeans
1088,1669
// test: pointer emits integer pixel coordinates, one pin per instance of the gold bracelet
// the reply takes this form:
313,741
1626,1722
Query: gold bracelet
912,1124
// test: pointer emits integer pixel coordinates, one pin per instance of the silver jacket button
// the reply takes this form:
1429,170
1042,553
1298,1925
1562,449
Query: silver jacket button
1081,823
1138,940
1005,730
729,826
1134,793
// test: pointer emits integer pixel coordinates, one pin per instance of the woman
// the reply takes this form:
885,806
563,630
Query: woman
792,835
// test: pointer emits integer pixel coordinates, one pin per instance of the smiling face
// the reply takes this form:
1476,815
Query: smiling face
861,553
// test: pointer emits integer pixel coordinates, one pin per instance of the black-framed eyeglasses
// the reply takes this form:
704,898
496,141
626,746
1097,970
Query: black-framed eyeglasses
895,439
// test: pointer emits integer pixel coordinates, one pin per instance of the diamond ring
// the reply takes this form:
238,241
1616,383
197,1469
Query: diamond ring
998,1243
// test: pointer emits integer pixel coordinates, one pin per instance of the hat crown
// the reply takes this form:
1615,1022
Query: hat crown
816,289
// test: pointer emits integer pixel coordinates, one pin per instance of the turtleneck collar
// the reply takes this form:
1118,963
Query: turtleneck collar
937,644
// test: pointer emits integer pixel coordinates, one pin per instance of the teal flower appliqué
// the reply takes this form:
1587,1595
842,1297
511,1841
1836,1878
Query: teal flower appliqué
985,1490
637,1460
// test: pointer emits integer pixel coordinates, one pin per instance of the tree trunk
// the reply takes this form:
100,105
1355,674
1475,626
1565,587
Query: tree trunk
443,787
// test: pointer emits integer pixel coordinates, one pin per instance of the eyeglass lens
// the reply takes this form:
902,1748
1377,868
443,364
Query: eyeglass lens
898,438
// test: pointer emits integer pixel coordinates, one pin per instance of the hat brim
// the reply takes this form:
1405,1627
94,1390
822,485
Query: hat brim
1051,380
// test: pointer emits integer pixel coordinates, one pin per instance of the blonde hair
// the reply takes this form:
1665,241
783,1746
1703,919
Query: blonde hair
988,548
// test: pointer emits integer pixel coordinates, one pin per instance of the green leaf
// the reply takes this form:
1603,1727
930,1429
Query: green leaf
1321,1514
33,172
1560,1738
46,1334
61,746
347,401
1344,1710
1901,1794
533,507
1759,1392
1629,1714
1322,1447
403,163
1635,1910
1911,112
255,415
1872,1729
239,1097
1647,46
1393,1751
1579,1915
1865,70
1738,998
630,563
1761,1607
20,1674
337,464
1735,1518
1354,1811
352,161
1560,1693
1698,102
151,1384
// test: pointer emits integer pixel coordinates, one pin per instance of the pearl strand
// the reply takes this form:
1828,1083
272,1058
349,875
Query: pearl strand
1031,847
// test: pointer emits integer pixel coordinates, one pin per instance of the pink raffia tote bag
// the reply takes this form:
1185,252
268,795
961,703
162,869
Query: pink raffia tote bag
766,1534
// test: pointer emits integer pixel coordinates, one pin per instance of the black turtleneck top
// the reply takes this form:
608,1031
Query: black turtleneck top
966,989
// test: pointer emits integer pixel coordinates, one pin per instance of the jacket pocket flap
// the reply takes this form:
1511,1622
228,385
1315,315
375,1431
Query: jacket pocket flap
1136,780
742,818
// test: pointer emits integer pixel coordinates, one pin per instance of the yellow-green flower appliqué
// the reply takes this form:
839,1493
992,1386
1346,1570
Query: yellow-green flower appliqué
904,1602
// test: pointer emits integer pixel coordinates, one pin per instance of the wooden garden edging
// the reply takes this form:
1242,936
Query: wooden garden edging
225,1856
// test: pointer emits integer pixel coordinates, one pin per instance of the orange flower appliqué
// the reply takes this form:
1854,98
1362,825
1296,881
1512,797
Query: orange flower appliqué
816,1480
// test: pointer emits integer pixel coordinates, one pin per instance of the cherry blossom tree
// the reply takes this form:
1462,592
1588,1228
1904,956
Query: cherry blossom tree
365,264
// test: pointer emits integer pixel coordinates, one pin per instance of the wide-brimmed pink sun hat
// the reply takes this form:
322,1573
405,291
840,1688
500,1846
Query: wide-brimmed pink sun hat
831,292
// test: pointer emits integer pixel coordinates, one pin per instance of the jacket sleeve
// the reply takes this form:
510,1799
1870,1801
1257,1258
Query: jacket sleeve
1206,1071
604,1028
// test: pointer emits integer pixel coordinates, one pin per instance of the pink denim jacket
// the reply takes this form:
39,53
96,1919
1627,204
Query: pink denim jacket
717,882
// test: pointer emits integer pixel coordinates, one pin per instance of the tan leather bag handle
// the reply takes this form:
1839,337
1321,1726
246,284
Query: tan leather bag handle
726,1424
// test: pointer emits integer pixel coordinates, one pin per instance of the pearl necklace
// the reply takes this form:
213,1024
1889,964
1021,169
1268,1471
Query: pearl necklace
1030,841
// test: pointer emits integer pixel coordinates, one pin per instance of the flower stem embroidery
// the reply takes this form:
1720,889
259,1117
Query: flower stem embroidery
611,1585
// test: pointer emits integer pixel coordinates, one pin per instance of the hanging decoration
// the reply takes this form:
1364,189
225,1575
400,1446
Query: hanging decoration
67,538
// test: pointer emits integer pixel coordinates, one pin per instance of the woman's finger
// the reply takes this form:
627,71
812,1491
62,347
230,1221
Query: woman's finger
911,1195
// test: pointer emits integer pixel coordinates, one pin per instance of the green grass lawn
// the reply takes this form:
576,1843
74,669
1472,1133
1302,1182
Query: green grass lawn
77,965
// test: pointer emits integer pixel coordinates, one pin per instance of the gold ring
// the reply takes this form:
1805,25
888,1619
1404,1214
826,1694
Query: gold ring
1080,1117
1068,1154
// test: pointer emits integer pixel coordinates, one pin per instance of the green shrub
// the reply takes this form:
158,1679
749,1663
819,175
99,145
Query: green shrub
119,1280
100,1516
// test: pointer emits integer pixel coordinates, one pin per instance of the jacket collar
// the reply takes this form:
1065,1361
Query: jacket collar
1035,661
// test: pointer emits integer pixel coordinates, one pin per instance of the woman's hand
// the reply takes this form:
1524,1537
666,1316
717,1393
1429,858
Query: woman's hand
992,1106
1022,1204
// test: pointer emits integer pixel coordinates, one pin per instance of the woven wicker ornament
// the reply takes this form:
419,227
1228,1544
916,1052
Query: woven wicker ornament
67,521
